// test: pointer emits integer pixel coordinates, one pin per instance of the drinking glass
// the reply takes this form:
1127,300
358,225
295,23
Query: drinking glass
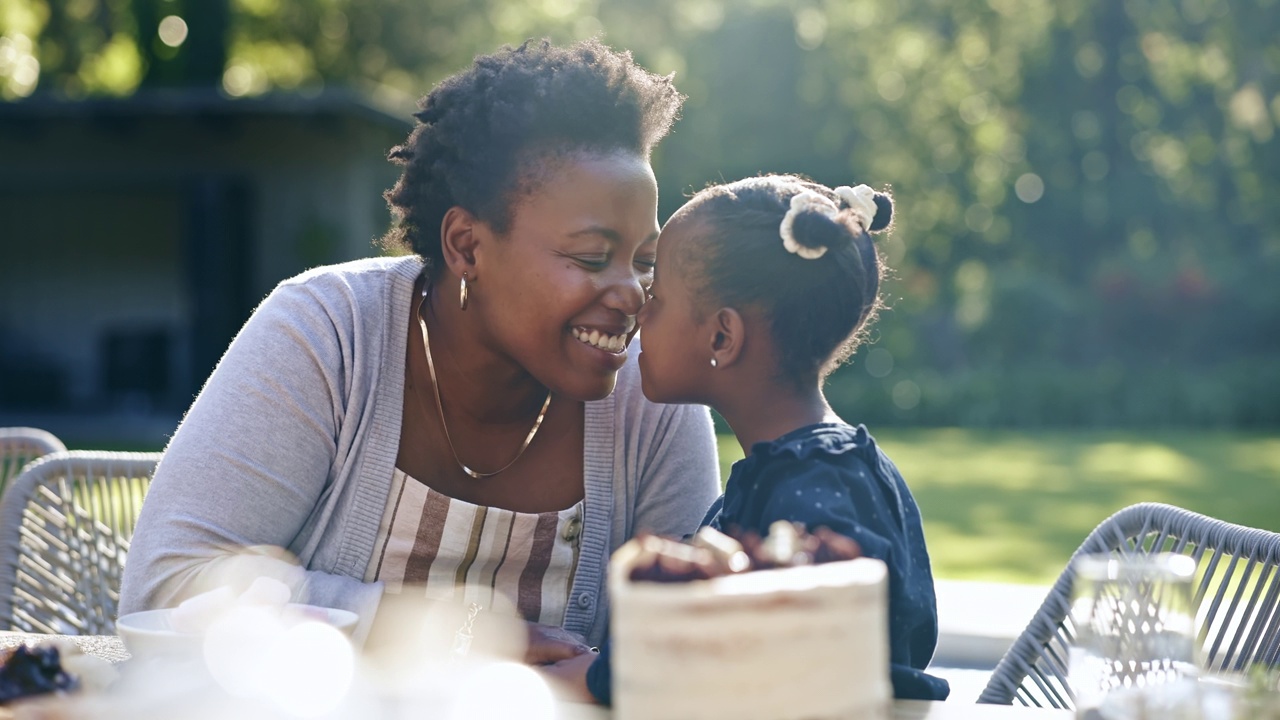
1135,653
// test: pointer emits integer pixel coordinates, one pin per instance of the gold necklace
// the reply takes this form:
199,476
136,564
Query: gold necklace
435,386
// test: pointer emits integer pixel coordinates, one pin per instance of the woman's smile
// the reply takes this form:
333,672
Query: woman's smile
560,290
604,341
605,346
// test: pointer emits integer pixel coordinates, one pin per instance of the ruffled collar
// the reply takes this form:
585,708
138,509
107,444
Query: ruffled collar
825,438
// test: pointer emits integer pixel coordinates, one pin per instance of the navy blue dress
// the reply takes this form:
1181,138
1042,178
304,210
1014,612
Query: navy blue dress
833,475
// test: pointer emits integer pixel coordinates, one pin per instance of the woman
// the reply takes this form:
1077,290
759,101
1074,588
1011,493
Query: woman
467,420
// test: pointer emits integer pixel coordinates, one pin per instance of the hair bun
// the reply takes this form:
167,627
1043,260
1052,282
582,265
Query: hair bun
816,216
872,209
884,212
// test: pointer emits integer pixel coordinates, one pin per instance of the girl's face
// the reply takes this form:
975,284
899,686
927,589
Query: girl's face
559,294
675,357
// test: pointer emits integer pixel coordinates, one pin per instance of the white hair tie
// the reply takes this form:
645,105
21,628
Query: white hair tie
803,202
862,201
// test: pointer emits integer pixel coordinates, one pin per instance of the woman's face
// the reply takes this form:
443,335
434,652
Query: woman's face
560,292
676,353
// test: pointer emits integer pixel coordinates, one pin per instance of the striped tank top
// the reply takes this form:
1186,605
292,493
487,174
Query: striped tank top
450,549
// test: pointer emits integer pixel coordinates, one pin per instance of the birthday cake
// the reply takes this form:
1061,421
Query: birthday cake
803,640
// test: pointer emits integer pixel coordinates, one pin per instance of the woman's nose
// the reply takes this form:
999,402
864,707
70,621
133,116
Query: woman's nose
628,292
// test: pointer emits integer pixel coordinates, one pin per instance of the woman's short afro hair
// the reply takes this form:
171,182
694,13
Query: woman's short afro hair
482,130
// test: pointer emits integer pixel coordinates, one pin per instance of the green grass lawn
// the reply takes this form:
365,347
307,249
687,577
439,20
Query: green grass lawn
1012,506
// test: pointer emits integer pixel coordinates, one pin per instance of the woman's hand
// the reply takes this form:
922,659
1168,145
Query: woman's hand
550,644
568,678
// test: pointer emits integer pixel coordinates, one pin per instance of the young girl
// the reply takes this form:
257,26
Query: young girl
762,287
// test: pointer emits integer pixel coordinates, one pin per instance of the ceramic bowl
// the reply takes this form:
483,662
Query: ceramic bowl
151,632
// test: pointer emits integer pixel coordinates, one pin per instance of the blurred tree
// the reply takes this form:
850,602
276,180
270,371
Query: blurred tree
1085,188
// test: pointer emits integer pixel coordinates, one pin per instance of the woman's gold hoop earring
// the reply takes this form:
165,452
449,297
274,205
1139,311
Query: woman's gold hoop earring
714,363
462,292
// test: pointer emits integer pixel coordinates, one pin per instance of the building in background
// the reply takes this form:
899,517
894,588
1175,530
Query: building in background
137,234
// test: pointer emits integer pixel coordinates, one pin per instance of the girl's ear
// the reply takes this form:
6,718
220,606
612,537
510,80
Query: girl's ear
729,336
458,239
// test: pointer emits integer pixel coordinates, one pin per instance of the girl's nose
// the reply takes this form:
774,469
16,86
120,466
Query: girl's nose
644,313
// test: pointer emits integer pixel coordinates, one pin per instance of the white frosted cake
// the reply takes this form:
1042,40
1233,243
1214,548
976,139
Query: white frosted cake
807,642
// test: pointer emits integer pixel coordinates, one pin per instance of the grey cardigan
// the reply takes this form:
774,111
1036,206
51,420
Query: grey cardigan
292,443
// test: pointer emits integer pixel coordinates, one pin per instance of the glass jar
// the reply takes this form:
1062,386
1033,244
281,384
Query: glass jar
1135,652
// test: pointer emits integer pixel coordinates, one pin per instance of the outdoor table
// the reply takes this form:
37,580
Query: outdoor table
107,647
110,647
902,710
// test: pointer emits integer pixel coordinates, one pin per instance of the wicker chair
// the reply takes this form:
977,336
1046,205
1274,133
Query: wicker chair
21,445
1236,595
65,526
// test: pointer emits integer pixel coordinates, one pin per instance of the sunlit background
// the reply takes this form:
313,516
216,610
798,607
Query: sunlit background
1086,250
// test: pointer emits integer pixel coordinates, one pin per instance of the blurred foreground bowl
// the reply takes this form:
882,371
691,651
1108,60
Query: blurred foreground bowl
150,632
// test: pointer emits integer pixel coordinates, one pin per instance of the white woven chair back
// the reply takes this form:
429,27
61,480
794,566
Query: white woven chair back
21,445
65,526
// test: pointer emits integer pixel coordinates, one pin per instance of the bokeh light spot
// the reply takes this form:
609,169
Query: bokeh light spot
990,169
1129,99
971,311
891,86
1095,165
1086,126
1142,244
1249,110
1089,59
19,67
972,276
974,109
699,15
238,648
313,668
974,49
587,26
1029,187
173,31
906,394
863,14
334,25
879,362
913,49
1214,65
811,27
237,80
978,217
524,694
946,158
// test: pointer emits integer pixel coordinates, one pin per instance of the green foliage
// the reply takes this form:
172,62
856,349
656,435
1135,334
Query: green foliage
1080,236
1260,694
1085,188
1242,393
1012,506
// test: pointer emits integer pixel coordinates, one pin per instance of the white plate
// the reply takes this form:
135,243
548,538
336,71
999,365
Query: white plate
150,632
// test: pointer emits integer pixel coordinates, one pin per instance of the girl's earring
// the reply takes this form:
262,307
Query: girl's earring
462,293
714,363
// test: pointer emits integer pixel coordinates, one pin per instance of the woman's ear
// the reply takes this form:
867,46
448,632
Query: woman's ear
458,239
728,338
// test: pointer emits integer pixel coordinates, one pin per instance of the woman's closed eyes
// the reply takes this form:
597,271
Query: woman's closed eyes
600,262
